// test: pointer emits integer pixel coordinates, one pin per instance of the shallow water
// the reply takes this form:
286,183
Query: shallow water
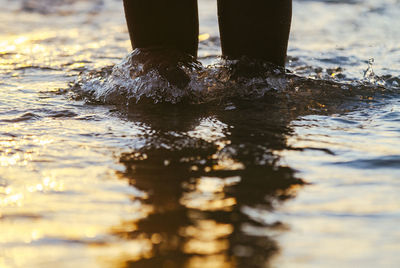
305,175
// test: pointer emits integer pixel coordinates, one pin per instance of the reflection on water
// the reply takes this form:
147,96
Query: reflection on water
304,178
211,182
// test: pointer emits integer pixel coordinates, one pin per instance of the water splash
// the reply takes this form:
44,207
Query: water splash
167,76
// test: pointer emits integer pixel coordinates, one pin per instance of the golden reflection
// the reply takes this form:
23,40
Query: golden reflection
21,39
129,251
156,238
12,198
8,143
207,237
201,247
48,184
6,48
13,157
3,262
204,37
36,234
228,164
11,44
212,261
207,193
208,230
33,49
9,160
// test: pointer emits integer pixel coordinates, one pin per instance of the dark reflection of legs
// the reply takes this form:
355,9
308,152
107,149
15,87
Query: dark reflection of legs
199,188
163,24
257,28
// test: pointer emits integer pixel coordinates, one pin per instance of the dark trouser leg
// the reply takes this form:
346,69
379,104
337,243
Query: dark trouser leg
163,23
255,28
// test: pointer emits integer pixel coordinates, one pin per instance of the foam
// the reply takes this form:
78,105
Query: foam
166,76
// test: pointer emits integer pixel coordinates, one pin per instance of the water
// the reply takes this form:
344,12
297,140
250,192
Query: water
296,170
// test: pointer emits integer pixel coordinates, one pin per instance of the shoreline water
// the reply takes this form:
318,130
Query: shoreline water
226,184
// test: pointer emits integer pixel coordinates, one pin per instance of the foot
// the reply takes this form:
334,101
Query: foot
169,63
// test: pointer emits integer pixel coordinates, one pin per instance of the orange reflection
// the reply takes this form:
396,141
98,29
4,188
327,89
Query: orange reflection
207,193
212,261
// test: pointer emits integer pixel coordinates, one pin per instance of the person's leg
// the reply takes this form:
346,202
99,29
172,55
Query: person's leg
163,24
255,28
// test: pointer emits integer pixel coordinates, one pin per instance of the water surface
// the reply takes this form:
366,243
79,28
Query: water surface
305,175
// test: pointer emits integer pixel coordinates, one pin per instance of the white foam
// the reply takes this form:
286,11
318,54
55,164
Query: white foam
131,81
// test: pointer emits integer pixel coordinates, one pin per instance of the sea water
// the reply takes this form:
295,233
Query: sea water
281,169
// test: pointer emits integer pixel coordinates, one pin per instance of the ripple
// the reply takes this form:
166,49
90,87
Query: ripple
391,161
62,114
21,216
345,121
62,7
23,118
392,116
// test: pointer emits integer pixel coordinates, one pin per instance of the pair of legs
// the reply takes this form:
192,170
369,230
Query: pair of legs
254,28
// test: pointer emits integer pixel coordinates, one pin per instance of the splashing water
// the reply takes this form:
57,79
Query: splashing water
166,76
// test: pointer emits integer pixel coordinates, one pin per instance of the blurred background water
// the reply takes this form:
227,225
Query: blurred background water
266,183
